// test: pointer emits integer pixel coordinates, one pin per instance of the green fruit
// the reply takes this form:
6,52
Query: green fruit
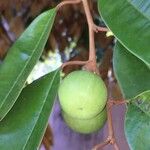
86,126
82,94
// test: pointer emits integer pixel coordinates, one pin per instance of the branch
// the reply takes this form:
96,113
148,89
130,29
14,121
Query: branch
92,51
99,146
111,137
118,102
67,3
92,66
116,146
92,55
74,63
109,118
99,29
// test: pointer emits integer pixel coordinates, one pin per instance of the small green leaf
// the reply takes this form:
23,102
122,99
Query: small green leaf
24,126
132,74
129,20
137,128
21,59
142,101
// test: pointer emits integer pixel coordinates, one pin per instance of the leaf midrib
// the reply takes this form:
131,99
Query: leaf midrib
41,110
25,65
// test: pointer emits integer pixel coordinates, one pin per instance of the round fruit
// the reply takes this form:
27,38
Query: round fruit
86,126
82,94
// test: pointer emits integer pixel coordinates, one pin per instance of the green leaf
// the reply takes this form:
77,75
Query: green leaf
21,59
24,125
137,128
132,74
129,20
143,102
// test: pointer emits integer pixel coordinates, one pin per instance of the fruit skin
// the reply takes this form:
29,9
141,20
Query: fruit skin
82,94
86,126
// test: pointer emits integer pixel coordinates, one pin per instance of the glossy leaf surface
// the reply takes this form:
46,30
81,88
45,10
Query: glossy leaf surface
129,20
24,126
21,59
137,128
132,74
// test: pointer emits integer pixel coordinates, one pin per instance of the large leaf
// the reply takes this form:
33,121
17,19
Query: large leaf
24,125
21,59
132,74
129,20
137,128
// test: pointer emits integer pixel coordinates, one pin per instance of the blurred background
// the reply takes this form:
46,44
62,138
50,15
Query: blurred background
67,41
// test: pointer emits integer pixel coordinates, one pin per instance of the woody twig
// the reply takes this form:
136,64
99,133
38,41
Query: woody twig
111,137
91,63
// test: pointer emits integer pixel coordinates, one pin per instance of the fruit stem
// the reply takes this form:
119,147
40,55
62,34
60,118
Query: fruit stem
92,51
91,63
60,5
74,63
92,54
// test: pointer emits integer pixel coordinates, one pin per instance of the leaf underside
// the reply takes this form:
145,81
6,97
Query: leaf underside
132,74
137,128
134,79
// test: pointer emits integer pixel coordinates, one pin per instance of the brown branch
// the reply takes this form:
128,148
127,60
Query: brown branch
74,63
111,137
67,3
92,66
110,122
118,102
109,118
47,140
92,51
99,29
116,146
101,145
